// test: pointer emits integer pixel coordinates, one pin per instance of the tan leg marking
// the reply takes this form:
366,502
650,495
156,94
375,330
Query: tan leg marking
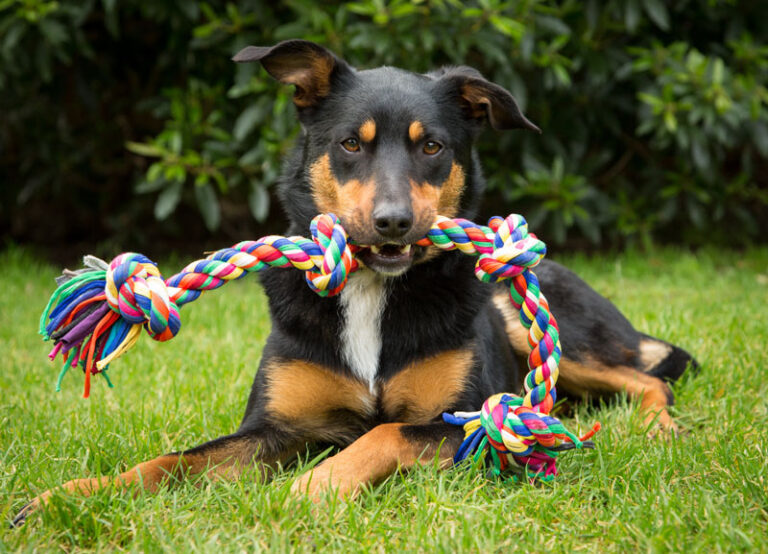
218,461
225,463
368,460
593,377
588,378
424,389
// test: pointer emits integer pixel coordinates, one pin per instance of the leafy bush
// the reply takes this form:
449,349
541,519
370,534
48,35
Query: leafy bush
654,113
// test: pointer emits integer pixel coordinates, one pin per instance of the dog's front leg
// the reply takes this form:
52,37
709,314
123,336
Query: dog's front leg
222,458
378,454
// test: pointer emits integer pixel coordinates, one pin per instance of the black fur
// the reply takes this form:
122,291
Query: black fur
436,305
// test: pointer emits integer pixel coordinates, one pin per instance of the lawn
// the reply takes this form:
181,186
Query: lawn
705,491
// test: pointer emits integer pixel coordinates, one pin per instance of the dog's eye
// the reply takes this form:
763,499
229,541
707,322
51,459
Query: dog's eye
431,147
351,145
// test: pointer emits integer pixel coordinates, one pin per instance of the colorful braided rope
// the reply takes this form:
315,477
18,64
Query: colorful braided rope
97,314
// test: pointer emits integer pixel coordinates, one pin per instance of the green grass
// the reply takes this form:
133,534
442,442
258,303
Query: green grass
704,491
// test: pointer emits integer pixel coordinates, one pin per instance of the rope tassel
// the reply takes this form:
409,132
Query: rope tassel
97,314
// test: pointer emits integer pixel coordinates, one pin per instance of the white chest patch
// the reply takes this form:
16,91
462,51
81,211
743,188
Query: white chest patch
362,304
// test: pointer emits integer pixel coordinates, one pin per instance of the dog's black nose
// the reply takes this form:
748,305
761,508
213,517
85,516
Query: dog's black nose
393,223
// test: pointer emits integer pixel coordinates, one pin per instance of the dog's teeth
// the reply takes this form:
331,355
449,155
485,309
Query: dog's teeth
406,249
375,249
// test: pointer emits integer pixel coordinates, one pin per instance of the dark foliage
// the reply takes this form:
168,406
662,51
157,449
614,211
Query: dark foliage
115,116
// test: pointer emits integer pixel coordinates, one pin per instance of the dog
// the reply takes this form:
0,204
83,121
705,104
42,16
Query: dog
414,333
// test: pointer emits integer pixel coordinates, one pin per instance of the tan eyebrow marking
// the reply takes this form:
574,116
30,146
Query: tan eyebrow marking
367,130
416,131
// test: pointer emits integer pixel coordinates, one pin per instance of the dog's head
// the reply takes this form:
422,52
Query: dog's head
384,149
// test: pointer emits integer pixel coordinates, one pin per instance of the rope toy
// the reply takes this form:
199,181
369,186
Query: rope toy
97,313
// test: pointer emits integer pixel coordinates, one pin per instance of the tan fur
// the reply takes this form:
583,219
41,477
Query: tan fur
367,131
351,201
652,353
312,394
479,102
425,199
325,187
415,131
312,82
428,201
517,334
151,474
224,462
451,191
592,376
369,459
422,390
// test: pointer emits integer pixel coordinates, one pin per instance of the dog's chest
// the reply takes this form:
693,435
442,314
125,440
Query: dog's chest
362,304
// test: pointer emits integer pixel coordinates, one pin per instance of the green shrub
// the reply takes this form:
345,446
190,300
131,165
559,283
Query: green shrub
654,113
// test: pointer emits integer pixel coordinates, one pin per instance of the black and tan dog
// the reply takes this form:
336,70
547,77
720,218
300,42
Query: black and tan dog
413,334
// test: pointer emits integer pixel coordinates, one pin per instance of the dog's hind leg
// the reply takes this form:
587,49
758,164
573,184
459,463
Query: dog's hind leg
590,378
603,353
378,454
222,458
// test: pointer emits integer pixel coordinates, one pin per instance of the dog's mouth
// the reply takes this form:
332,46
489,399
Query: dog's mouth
390,258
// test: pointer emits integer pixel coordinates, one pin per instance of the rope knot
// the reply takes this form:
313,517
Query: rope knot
337,260
514,250
515,433
514,428
136,290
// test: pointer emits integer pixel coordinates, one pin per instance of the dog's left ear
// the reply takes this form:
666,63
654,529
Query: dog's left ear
308,66
484,100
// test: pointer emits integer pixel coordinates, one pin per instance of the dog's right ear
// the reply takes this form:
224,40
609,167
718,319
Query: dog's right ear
307,65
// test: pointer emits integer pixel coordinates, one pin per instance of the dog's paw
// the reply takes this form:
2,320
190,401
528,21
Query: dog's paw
663,430
313,484
42,499
316,483
660,425
30,507
21,516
